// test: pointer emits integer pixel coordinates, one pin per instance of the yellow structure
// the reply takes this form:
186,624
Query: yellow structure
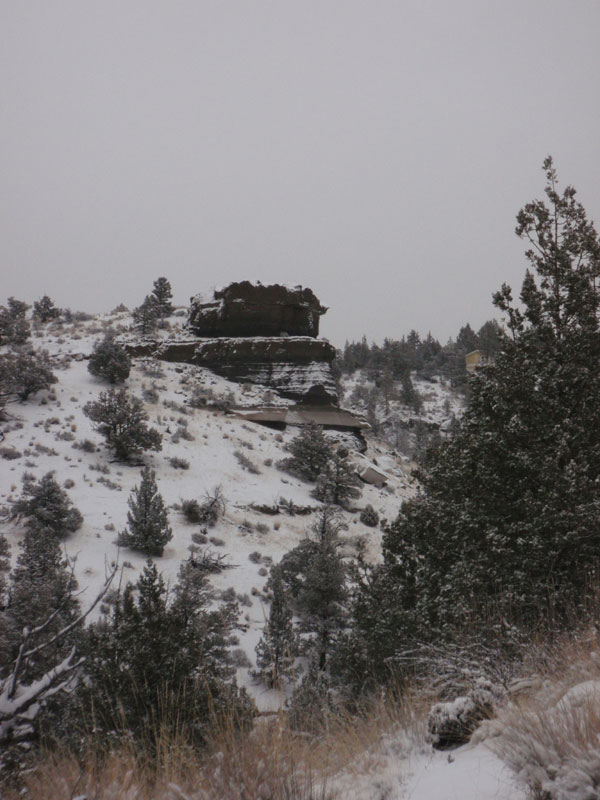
474,359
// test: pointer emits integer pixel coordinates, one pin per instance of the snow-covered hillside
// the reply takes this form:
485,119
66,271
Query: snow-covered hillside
209,446
46,434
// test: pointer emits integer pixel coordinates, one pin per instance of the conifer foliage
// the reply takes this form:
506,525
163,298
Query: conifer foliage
45,310
47,506
145,316
121,419
110,360
277,648
162,296
310,451
510,513
161,658
338,483
148,526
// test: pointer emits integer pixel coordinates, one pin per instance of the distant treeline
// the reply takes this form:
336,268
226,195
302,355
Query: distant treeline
427,357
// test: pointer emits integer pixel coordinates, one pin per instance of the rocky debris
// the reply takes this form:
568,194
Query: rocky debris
251,309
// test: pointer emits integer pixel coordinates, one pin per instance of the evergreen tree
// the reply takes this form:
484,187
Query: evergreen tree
338,482
148,527
47,506
110,360
23,374
145,316
509,513
322,594
163,295
310,451
121,419
14,328
45,310
41,583
161,659
277,648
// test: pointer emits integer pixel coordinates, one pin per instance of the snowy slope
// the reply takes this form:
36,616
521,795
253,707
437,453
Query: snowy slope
46,431
46,428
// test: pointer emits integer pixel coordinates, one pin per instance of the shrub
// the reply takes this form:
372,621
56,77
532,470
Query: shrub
246,463
369,517
179,463
44,309
109,360
121,419
148,529
47,507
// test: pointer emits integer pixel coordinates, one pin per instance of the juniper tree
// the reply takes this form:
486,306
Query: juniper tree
145,316
110,360
163,295
278,646
509,512
25,373
121,419
322,593
44,309
338,482
310,451
14,328
148,524
161,658
47,506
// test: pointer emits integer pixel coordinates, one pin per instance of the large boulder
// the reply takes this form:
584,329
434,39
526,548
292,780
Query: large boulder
251,309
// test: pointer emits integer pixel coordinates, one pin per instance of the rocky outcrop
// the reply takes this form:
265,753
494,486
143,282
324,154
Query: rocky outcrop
296,367
251,309
250,333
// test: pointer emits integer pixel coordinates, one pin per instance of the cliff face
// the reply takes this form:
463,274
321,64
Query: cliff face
251,309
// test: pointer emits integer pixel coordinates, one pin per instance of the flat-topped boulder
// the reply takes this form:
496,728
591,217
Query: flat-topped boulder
252,309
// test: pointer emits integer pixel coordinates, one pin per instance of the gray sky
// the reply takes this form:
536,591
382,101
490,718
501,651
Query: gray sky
375,151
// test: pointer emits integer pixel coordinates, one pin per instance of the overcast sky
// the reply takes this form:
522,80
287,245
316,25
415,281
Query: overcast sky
376,151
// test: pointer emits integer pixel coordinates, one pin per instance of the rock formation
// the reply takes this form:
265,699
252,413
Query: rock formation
251,309
258,334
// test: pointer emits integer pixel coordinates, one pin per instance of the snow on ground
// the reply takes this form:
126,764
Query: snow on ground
469,773
46,428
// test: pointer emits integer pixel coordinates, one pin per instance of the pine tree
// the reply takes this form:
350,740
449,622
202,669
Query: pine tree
109,360
509,513
147,519
145,316
23,374
121,419
161,659
44,309
14,328
42,582
337,483
47,506
163,295
322,595
277,648
310,451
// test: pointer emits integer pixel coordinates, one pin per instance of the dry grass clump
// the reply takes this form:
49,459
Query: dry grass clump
271,763
550,734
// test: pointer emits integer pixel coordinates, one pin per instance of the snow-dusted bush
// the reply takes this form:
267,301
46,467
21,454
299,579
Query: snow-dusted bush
47,506
109,360
148,528
369,517
121,419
